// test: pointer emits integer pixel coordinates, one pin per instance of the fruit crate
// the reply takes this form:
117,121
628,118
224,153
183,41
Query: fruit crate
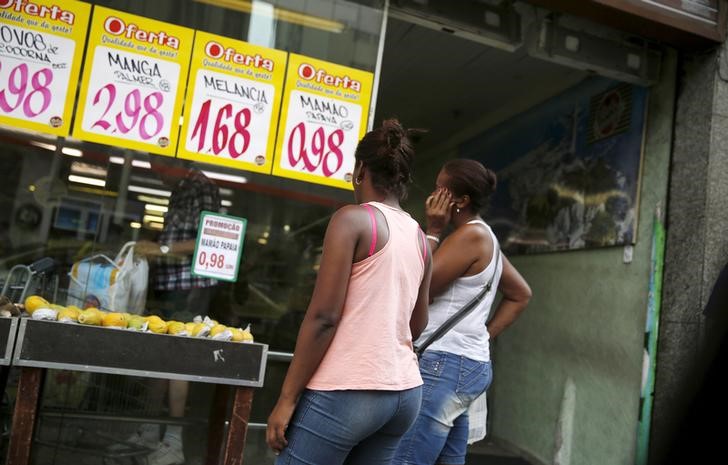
100,384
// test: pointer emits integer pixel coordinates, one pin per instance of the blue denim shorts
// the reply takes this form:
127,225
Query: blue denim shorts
440,433
349,427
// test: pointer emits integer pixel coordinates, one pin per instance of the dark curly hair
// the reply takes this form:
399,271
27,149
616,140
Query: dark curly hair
388,152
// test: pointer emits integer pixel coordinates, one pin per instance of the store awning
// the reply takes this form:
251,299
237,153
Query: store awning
685,24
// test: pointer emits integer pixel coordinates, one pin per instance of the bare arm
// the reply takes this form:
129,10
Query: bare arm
420,315
321,320
516,295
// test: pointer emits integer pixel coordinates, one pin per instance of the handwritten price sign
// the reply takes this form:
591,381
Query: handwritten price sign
133,82
219,246
41,47
233,106
324,115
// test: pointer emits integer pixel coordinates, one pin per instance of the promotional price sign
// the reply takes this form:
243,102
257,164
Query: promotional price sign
133,82
41,47
231,109
325,110
219,246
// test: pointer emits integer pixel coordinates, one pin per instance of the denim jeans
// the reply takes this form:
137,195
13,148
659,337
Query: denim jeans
440,433
349,427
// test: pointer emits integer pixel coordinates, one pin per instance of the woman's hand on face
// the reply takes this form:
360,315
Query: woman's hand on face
438,207
278,421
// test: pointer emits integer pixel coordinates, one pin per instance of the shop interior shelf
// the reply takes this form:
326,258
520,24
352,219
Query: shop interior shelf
69,346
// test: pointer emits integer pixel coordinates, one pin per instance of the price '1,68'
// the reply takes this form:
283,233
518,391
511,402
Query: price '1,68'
235,140
138,112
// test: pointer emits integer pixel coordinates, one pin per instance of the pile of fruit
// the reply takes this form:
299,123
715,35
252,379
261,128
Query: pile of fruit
40,309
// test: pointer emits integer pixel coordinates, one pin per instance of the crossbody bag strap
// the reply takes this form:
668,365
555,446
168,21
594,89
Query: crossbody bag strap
456,317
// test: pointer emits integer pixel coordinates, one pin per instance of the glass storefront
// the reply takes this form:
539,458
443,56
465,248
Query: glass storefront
71,200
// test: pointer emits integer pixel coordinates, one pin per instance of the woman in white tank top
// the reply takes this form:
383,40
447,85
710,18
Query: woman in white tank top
456,368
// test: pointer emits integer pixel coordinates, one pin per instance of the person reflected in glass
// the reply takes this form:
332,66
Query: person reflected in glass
456,369
181,295
353,387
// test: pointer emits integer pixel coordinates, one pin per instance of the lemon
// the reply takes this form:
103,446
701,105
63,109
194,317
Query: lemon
114,319
217,329
157,325
34,302
137,322
69,314
90,316
175,327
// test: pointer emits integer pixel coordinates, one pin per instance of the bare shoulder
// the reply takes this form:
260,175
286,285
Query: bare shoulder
474,234
350,217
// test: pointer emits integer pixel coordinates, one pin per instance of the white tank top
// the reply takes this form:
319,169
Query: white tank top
470,336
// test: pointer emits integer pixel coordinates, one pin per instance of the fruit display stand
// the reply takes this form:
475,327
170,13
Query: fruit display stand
45,345
8,330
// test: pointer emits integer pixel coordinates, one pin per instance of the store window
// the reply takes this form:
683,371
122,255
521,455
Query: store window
78,203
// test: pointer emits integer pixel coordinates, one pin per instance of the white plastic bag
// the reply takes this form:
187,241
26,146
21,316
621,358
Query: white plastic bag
478,417
114,285
136,269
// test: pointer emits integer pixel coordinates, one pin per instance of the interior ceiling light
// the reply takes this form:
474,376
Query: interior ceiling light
282,14
149,190
226,203
87,168
225,177
86,180
71,152
43,145
156,208
148,199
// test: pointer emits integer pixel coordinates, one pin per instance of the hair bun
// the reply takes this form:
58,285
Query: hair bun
394,133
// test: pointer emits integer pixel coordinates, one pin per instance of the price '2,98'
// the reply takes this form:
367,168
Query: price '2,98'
316,151
138,113
236,144
17,90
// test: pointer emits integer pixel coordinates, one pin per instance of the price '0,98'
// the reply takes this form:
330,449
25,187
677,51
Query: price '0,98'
151,121
316,151
236,144
216,260
17,86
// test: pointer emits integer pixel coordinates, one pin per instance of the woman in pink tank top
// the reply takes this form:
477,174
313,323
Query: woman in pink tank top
354,388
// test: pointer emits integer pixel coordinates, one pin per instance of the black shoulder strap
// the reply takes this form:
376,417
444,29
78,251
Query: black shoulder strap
456,317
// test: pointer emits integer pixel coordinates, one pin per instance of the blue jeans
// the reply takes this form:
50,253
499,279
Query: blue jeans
440,434
349,427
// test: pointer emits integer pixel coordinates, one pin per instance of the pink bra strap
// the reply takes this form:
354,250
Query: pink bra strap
373,246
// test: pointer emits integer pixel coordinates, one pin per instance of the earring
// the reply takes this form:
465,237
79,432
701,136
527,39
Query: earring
357,181
457,210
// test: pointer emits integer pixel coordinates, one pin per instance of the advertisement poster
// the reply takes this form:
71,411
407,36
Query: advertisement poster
232,103
133,82
325,112
219,246
41,48
568,169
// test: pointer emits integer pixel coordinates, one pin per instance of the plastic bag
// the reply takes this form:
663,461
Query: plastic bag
478,418
138,277
114,285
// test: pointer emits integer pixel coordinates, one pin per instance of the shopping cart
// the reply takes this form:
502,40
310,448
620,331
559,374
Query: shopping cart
40,277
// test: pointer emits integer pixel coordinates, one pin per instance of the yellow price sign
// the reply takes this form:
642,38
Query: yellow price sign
133,82
324,115
233,100
41,47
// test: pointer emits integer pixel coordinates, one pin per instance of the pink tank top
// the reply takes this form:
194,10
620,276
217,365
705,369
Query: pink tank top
372,346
